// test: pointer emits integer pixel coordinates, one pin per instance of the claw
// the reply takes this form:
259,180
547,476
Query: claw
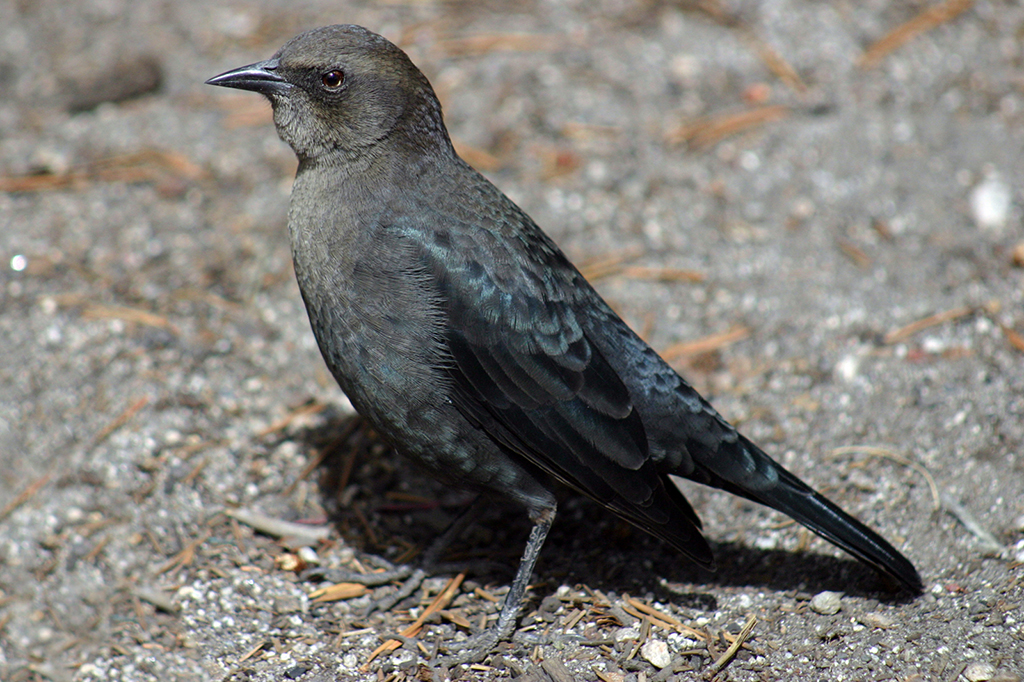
338,575
472,650
411,584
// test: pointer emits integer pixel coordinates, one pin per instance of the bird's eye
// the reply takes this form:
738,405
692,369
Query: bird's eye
332,80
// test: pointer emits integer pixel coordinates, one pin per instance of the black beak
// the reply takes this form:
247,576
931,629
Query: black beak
261,77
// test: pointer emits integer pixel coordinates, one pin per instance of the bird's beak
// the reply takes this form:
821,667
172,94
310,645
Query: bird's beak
261,77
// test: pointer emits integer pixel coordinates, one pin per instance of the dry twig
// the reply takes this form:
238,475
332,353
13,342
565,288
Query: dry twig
922,23
253,651
284,422
707,344
1013,337
26,494
338,592
663,274
773,61
186,556
304,533
149,165
905,332
659,616
594,269
710,130
126,314
119,421
856,254
726,657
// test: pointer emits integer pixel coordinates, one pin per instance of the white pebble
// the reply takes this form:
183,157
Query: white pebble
826,603
656,653
979,671
848,368
878,620
308,554
629,634
1018,551
990,203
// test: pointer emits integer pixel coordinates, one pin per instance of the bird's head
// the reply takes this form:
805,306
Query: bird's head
339,92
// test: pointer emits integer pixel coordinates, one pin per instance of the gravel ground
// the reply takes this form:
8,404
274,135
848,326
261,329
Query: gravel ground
159,382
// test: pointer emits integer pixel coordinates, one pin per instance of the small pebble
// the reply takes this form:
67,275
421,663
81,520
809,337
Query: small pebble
309,556
990,203
127,78
626,635
1017,258
878,620
550,604
1018,551
656,653
826,603
848,368
295,672
979,671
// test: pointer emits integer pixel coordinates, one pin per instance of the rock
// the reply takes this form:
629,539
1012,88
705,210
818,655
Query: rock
826,603
627,634
1017,258
979,671
878,620
991,200
127,78
656,653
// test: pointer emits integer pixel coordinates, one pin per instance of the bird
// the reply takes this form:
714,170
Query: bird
466,338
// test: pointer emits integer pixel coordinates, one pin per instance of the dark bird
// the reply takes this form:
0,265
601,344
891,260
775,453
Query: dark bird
463,334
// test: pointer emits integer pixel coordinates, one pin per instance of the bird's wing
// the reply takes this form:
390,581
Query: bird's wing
525,371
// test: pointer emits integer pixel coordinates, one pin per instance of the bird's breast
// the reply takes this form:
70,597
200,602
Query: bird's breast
375,314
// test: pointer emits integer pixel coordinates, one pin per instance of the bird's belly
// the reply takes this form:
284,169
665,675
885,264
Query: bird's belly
402,389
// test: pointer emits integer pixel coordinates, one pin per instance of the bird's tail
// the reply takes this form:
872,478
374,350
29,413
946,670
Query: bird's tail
765,481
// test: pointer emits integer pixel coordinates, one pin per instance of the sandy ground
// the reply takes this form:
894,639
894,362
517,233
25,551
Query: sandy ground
748,175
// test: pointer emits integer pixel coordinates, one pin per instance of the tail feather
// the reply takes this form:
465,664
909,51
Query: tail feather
768,483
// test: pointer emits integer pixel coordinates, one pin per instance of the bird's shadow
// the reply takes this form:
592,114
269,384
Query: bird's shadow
383,505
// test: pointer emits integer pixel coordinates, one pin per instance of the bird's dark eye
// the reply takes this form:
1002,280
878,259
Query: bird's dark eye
332,80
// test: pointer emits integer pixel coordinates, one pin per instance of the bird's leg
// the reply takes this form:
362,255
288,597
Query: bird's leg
476,648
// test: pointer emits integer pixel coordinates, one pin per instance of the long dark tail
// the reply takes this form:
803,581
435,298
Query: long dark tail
768,483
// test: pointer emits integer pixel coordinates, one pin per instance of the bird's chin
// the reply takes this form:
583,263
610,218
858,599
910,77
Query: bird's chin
285,129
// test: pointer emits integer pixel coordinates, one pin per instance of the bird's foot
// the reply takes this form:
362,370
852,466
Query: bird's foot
472,650
477,647
411,580
340,575
405,590
416,578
